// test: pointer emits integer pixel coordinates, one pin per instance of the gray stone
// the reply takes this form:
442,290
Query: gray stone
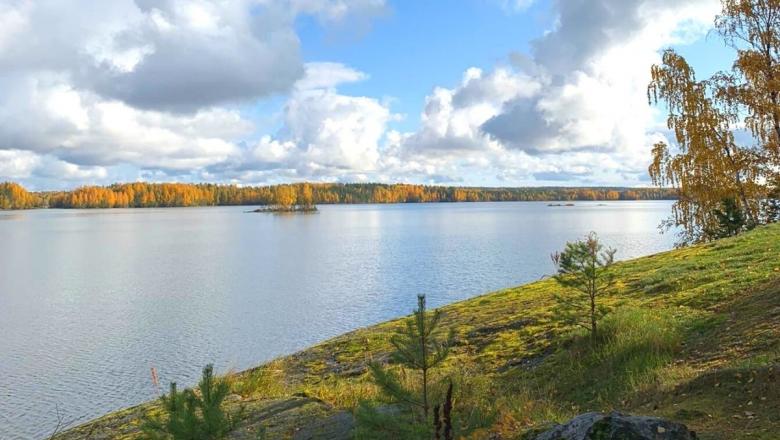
296,418
617,426
336,427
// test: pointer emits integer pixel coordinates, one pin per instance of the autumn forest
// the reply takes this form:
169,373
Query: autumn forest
146,195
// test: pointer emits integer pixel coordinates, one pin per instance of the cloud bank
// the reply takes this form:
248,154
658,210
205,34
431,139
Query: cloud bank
159,90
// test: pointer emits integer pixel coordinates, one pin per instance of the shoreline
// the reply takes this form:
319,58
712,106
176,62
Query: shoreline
550,203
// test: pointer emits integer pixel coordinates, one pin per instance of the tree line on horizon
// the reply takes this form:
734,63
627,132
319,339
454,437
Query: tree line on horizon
14,196
148,195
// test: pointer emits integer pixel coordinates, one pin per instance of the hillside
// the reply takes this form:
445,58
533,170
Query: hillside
693,337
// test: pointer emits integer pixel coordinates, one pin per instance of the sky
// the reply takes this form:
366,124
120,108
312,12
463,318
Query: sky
450,92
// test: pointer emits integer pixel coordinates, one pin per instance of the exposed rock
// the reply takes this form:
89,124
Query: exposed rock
233,398
295,417
354,369
489,330
617,426
528,362
336,427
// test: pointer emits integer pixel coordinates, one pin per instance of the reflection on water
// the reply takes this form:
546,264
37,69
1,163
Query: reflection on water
91,300
10,215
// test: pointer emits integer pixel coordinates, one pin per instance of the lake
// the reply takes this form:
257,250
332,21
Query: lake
91,300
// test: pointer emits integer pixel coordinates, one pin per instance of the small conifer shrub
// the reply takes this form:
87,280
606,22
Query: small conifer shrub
188,415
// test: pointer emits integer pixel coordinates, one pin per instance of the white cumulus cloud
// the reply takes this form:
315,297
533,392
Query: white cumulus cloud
576,108
156,85
325,134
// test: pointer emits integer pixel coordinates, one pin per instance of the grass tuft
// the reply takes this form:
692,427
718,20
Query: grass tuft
630,348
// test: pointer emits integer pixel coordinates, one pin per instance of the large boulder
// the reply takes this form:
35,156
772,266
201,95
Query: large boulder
617,426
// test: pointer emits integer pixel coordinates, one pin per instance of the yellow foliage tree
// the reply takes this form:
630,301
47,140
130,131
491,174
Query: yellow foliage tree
285,196
14,196
709,168
306,196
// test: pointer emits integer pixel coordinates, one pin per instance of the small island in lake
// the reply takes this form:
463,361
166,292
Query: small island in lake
282,209
289,198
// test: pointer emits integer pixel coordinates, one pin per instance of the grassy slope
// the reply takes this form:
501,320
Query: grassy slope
694,338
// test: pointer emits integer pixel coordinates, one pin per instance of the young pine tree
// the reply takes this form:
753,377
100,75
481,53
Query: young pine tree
583,266
730,219
189,416
773,203
420,346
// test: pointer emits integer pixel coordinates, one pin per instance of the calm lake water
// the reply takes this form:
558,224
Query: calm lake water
91,300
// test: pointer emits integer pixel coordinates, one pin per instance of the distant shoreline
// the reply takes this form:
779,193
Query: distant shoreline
164,195
549,203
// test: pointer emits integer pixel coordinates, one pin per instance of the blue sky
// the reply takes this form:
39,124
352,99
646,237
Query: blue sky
472,33
456,37
473,92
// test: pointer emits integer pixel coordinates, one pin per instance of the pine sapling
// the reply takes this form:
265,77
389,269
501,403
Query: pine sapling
189,416
584,266
419,346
